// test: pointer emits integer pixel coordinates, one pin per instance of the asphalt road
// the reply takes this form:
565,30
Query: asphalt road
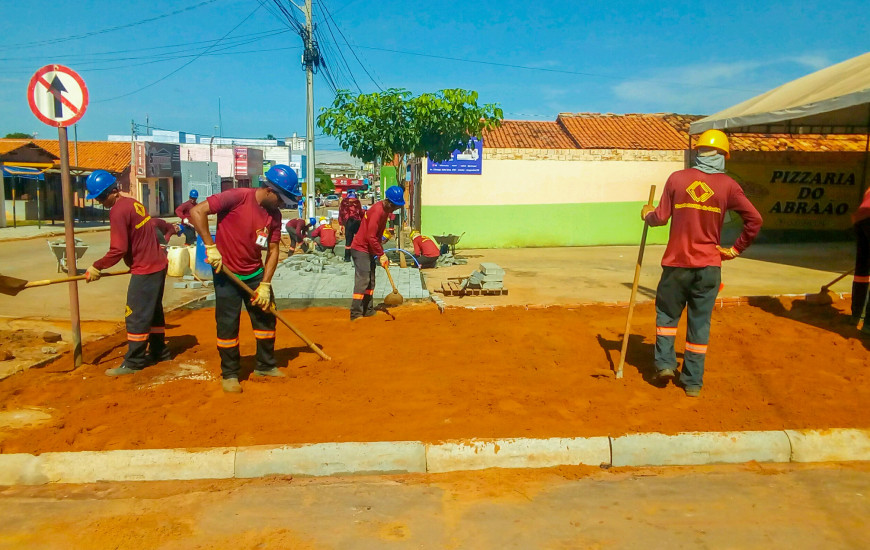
745,507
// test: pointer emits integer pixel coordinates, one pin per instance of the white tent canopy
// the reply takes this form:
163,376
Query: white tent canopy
834,100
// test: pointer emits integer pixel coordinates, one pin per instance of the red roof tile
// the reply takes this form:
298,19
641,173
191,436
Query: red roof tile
528,134
113,156
630,131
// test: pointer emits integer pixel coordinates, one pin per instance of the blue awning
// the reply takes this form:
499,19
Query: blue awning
23,172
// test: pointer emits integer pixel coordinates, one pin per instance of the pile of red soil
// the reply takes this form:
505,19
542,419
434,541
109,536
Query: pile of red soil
434,376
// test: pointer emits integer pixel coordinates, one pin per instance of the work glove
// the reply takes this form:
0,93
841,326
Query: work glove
384,261
186,221
213,256
263,296
645,211
92,274
727,253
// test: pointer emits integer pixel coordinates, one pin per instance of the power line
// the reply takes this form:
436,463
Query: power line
161,79
109,29
324,8
341,55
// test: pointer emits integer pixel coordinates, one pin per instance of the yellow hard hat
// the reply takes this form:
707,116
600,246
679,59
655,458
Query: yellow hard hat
414,234
715,139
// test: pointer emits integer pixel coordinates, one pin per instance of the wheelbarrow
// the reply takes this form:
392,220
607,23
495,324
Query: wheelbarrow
450,240
58,248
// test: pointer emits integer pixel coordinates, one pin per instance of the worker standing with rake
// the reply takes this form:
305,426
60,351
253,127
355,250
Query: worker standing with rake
248,222
697,199
133,238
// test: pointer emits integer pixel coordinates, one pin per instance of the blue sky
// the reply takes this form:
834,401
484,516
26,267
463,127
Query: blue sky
686,57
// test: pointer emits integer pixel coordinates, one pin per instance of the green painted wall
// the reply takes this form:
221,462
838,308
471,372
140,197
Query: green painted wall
510,226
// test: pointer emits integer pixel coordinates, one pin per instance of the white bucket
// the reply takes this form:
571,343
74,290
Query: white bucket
179,260
191,251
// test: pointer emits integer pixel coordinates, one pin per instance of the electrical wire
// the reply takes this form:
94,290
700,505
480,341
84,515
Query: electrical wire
161,79
329,15
338,48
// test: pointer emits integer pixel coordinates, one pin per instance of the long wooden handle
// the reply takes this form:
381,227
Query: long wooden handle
846,274
390,277
652,193
47,282
238,282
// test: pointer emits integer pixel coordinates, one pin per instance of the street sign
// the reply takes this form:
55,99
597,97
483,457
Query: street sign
57,95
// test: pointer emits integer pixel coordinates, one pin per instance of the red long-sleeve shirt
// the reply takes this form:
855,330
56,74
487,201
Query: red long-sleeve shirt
133,238
300,225
326,234
368,238
349,209
183,210
426,246
863,211
239,219
697,201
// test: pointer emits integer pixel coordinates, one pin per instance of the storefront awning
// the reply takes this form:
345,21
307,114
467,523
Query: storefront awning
834,100
23,172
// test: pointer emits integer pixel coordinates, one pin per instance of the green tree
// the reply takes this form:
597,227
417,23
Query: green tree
323,182
270,136
19,135
379,127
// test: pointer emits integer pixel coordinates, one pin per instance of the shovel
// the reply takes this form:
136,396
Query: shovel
11,286
393,299
232,276
824,296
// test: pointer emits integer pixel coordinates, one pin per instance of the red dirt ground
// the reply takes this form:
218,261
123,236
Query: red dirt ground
430,376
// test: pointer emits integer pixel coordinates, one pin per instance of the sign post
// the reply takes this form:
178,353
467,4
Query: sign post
58,97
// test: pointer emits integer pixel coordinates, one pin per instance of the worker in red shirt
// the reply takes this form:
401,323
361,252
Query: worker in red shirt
297,229
696,200
133,238
366,249
350,213
861,277
426,251
183,212
248,222
326,233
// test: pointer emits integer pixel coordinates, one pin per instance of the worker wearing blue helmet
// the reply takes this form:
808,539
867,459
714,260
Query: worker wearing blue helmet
133,239
248,222
183,213
366,251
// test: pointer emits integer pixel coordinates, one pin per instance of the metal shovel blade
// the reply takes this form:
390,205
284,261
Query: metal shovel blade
11,286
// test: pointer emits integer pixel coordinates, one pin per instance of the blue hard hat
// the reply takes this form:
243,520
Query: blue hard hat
351,195
283,180
396,195
98,182
194,194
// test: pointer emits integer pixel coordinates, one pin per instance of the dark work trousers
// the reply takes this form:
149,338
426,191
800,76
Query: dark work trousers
861,278
189,234
322,248
228,308
351,226
679,287
426,261
144,319
363,284
295,237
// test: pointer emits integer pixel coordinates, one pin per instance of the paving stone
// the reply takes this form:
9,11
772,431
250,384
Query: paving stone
179,285
194,284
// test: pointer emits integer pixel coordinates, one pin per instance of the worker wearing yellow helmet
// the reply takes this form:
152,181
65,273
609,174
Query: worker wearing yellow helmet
324,236
695,200
426,251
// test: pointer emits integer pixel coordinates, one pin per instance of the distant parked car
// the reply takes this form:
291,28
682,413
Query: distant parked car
331,200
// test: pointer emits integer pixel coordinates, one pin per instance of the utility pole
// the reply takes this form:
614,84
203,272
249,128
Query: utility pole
311,57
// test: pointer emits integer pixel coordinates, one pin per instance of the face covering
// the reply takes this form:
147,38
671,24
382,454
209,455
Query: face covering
712,164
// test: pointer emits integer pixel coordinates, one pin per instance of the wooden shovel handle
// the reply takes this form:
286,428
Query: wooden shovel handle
390,277
238,282
46,282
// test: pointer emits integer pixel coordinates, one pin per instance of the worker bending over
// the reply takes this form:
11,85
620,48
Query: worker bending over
248,222
366,249
326,234
183,212
426,251
133,238
297,229
697,199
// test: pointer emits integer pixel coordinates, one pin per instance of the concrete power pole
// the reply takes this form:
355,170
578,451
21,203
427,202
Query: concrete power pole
310,59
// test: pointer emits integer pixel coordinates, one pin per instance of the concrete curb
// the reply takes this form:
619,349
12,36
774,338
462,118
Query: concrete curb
390,457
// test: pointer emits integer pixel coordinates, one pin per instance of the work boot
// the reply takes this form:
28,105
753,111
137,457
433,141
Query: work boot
231,385
270,372
120,371
665,374
693,391
159,358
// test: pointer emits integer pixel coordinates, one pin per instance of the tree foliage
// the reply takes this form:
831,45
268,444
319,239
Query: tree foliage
382,125
18,135
323,182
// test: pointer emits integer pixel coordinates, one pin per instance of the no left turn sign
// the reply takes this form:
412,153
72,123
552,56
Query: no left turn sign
57,95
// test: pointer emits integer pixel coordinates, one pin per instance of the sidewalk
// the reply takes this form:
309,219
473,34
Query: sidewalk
47,230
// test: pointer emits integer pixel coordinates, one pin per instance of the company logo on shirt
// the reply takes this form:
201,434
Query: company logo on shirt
699,191
140,208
